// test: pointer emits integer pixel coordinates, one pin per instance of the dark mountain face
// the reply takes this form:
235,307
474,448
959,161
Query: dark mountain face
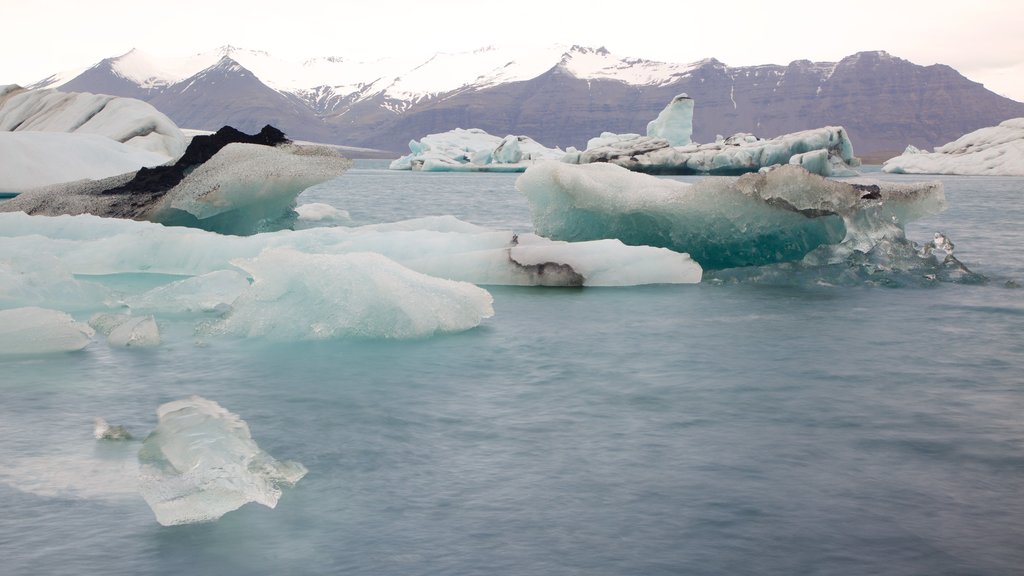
227,94
884,103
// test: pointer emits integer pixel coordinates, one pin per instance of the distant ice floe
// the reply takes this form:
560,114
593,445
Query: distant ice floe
48,137
992,151
201,462
778,215
667,148
473,150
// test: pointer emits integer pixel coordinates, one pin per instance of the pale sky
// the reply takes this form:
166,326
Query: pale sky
982,39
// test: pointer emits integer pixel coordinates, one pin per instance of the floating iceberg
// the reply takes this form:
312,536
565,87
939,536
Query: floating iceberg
826,151
441,246
201,463
667,149
126,120
778,215
297,296
228,182
473,150
36,159
406,279
48,137
34,330
675,122
992,151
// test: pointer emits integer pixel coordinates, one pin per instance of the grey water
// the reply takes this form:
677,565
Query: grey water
720,428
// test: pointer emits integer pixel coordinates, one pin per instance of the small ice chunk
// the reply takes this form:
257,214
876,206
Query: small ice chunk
319,214
33,330
104,431
127,331
201,463
939,242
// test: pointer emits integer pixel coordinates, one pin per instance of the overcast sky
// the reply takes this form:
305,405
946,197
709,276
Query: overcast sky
982,38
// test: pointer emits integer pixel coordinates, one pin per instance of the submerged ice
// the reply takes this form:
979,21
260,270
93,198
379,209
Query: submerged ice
201,462
779,215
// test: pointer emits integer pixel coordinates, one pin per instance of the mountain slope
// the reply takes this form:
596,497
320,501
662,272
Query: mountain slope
559,96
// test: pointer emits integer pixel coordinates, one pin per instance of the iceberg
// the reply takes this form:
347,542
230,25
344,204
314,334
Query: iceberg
34,330
675,122
228,182
37,159
992,151
48,137
777,215
473,150
825,151
125,120
297,296
201,462
441,246
667,148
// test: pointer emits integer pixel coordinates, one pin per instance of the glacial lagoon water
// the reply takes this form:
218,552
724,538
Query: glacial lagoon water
731,427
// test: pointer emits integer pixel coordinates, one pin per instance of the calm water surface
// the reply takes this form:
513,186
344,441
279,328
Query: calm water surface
733,428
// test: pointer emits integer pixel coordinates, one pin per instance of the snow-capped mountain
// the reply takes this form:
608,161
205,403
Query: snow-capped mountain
560,95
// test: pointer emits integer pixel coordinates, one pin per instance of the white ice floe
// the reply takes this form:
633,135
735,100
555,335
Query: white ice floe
405,279
667,148
441,246
826,151
778,215
473,150
242,189
675,122
34,159
298,296
34,330
48,137
201,462
992,151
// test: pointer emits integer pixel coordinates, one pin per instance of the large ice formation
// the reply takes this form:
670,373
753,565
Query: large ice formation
34,330
395,280
777,215
826,151
126,120
675,122
667,148
201,463
473,150
35,159
48,137
992,151
228,182
297,296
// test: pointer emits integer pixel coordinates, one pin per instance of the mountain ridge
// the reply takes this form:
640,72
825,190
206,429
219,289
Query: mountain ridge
561,96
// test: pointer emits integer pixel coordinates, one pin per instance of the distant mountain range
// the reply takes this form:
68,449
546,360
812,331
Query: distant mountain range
561,96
